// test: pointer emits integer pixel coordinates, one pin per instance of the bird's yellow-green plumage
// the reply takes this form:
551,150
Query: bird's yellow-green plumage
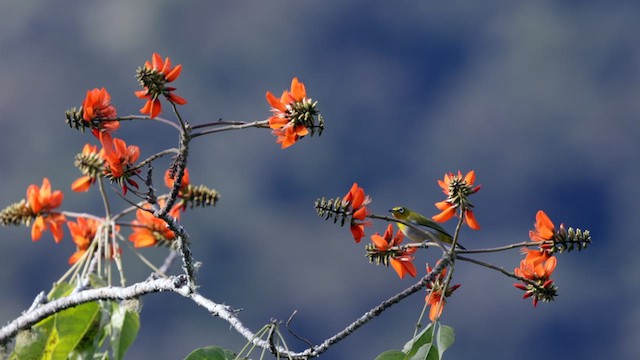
402,213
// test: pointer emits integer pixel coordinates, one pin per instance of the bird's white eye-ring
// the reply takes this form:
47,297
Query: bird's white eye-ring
401,210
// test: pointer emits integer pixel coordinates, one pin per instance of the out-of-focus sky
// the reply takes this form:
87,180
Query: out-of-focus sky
541,98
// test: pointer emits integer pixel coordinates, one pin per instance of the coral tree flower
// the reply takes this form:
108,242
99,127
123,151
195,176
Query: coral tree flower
537,267
42,201
83,231
544,230
293,114
153,77
169,180
96,106
355,201
90,162
401,261
434,298
148,230
457,190
119,159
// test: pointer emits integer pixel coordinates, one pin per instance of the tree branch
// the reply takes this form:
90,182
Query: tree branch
35,315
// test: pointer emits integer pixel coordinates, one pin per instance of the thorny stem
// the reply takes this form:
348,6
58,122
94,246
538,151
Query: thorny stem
176,284
132,208
368,316
181,235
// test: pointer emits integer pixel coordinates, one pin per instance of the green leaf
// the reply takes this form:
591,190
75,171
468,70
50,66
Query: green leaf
391,355
426,352
61,290
445,338
125,324
51,344
211,353
71,325
424,337
31,344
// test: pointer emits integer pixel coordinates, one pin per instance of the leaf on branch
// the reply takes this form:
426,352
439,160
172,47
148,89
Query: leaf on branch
211,353
391,355
125,324
445,338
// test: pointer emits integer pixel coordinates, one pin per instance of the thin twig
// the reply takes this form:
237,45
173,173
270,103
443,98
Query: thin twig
257,124
153,157
140,117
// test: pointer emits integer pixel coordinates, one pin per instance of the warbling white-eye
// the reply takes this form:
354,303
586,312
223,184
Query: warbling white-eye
402,213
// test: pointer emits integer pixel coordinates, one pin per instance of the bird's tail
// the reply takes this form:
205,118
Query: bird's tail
444,237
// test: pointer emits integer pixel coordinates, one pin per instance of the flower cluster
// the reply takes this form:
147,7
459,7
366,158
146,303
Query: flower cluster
435,298
189,194
96,113
97,106
154,76
536,268
41,202
38,207
114,161
91,164
119,162
149,230
294,115
457,189
355,202
83,231
386,250
352,208
557,240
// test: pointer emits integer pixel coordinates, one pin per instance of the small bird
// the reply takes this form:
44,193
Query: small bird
402,213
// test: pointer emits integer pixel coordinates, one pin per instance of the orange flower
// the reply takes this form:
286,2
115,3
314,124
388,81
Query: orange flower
288,135
537,267
401,261
434,298
148,230
119,159
153,77
90,162
96,106
41,202
544,228
83,183
355,201
169,179
436,304
293,114
83,231
457,190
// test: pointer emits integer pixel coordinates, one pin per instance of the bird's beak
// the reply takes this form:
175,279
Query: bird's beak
390,210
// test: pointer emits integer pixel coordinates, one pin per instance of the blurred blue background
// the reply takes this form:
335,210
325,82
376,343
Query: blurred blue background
541,98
